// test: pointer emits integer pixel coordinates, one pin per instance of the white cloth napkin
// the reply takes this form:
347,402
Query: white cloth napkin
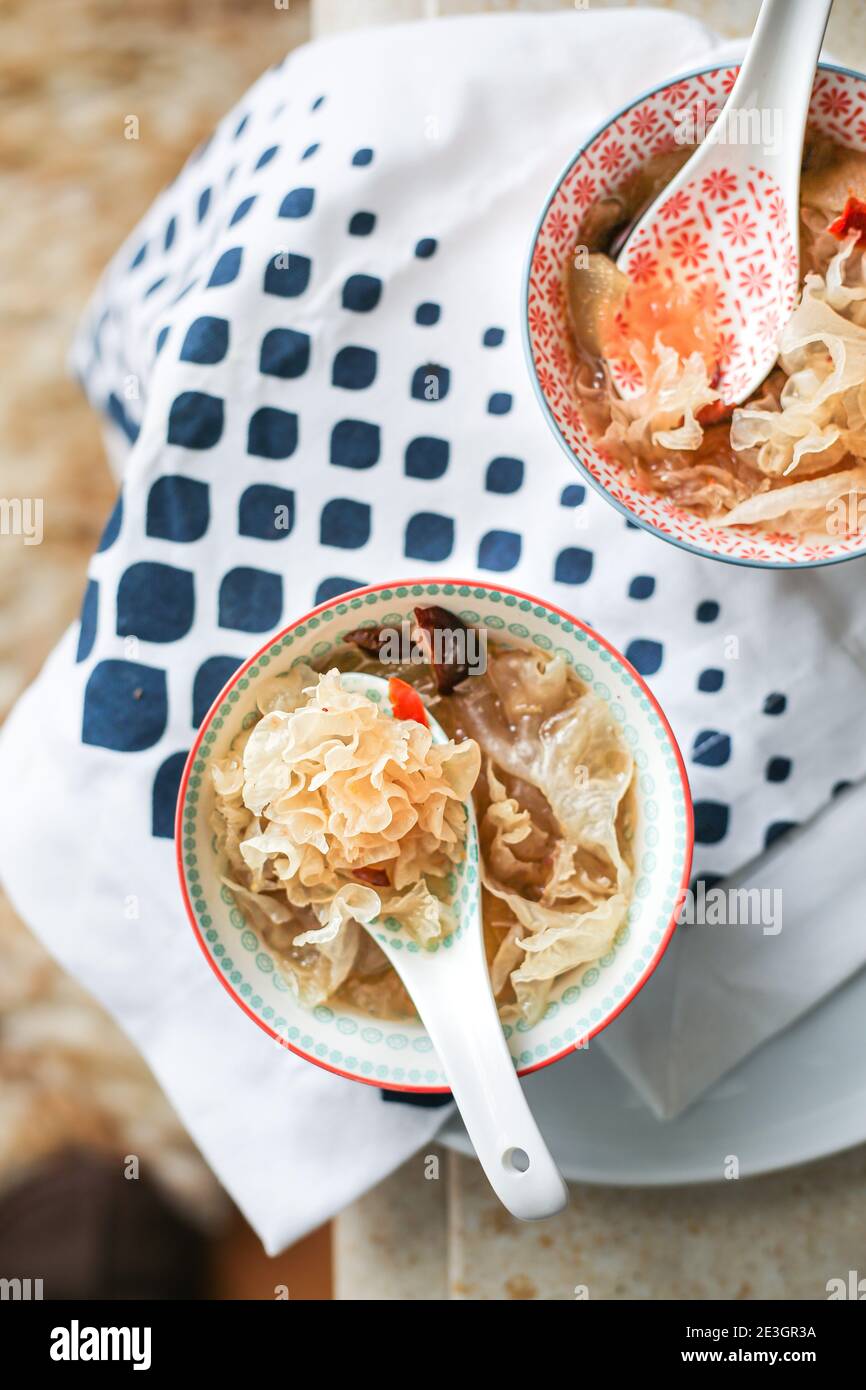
742,971
398,173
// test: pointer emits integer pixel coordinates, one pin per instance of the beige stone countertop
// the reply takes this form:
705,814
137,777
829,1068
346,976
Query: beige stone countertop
420,1235
846,32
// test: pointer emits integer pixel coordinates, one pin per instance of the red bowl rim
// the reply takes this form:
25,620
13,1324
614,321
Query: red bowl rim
377,588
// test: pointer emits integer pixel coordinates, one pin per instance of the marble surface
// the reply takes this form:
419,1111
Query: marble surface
846,33
434,1230
782,1237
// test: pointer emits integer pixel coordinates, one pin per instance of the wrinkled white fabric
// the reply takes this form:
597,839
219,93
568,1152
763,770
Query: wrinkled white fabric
470,122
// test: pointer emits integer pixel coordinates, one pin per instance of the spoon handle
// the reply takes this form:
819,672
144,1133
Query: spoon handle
460,1015
776,77
451,990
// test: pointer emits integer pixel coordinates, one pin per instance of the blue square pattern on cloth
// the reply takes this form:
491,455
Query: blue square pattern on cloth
304,344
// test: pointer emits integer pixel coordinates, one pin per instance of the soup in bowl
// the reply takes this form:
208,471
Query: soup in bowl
304,813
780,479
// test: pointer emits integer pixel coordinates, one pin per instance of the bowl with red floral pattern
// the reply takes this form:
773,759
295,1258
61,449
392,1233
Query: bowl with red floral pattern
779,481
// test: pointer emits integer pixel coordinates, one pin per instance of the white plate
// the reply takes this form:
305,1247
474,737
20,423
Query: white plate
799,1097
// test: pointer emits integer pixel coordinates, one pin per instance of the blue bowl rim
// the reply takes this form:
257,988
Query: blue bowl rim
594,482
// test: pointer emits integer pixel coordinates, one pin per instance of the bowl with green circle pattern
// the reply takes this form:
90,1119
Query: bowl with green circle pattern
399,1055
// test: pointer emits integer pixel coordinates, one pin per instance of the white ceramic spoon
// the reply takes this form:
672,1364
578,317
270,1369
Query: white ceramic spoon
450,987
727,225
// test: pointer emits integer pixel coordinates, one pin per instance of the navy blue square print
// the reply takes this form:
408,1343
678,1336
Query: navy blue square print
499,551
229,264
777,830
778,769
125,706
711,822
89,615
711,680
178,509
504,475
206,341
298,203
285,353
272,434
241,211
361,293
707,612
267,513
166,785
361,224
337,584
645,655
287,275
355,444
573,566
195,420
209,680
250,600
573,495
711,748
354,368
155,602
426,457
642,586
429,536
345,523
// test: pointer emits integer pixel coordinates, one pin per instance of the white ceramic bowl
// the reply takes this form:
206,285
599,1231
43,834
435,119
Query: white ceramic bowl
400,1056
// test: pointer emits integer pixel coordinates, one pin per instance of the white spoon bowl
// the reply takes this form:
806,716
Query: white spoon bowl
728,222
